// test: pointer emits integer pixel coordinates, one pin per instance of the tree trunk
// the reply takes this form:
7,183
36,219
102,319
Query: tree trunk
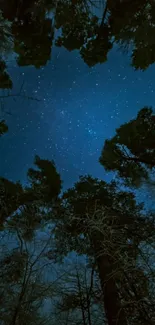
114,313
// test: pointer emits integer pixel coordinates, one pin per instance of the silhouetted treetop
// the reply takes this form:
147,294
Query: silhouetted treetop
131,152
45,180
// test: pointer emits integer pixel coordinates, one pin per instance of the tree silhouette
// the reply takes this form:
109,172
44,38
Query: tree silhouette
98,221
23,285
31,30
131,152
43,190
10,196
79,299
130,24
44,180
34,50
94,219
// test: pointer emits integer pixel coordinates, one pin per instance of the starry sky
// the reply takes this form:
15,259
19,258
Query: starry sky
79,108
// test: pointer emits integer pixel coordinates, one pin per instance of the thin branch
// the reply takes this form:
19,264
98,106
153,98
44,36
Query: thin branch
19,95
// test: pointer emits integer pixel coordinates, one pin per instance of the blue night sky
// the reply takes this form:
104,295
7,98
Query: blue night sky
79,108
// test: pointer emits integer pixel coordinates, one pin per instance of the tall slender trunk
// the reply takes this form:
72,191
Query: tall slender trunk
81,302
114,313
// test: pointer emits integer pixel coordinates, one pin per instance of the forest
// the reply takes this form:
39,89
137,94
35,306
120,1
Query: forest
86,255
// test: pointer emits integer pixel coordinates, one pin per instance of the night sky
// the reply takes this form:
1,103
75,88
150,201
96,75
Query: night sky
80,107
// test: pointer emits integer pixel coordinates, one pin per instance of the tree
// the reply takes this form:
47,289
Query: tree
30,19
130,24
79,294
95,219
43,190
45,181
131,152
10,194
81,30
127,23
25,282
91,203
34,50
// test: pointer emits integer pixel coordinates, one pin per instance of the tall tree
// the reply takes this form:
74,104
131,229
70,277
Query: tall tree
120,222
93,218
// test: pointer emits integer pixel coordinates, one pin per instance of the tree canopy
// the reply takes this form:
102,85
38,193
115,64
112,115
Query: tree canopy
94,220
30,32
131,152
